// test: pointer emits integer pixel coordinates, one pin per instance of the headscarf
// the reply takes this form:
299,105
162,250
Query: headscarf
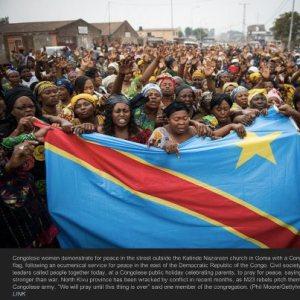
254,77
108,80
233,69
227,84
114,65
253,69
10,71
198,73
152,79
41,86
222,73
117,98
83,96
14,94
66,83
10,123
237,90
150,86
289,92
255,92
182,87
273,93
165,76
175,106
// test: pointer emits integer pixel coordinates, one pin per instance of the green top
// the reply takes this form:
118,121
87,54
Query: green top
11,141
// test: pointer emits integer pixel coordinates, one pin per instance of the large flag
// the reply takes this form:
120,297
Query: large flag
105,192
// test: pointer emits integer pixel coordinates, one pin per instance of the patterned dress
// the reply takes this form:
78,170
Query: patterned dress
24,219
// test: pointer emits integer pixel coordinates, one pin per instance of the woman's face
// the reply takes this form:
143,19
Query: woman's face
167,87
221,111
179,122
229,89
204,85
97,80
197,82
26,74
84,109
49,96
187,97
111,70
88,87
121,115
23,107
259,101
225,78
154,99
110,87
63,94
268,86
14,78
242,99
72,78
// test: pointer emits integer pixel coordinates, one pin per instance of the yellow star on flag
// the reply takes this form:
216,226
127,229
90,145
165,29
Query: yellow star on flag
253,145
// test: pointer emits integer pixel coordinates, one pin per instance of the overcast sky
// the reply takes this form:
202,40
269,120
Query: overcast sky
223,15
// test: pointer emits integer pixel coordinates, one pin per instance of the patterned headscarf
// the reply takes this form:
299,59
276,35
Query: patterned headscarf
227,84
150,86
108,80
237,90
66,83
254,77
165,76
117,98
198,73
41,86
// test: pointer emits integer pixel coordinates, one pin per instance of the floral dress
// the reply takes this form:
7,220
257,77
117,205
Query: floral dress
142,120
24,219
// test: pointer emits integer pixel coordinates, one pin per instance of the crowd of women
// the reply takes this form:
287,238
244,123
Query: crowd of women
159,96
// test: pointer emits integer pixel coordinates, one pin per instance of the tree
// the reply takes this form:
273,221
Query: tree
188,31
180,33
199,33
281,28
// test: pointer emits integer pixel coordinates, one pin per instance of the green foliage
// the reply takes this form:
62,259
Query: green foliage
188,31
199,33
281,27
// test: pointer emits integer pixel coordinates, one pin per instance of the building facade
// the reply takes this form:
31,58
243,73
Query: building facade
121,32
167,34
36,35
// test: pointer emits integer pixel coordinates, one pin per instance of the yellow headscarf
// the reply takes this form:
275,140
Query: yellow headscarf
83,96
41,86
198,73
254,77
289,92
227,84
254,92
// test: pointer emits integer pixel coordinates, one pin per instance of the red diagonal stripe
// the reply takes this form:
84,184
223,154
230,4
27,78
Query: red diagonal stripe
158,183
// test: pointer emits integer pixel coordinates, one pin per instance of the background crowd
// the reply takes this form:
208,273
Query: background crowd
155,95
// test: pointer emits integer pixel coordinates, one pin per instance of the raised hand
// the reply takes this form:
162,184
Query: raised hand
125,66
